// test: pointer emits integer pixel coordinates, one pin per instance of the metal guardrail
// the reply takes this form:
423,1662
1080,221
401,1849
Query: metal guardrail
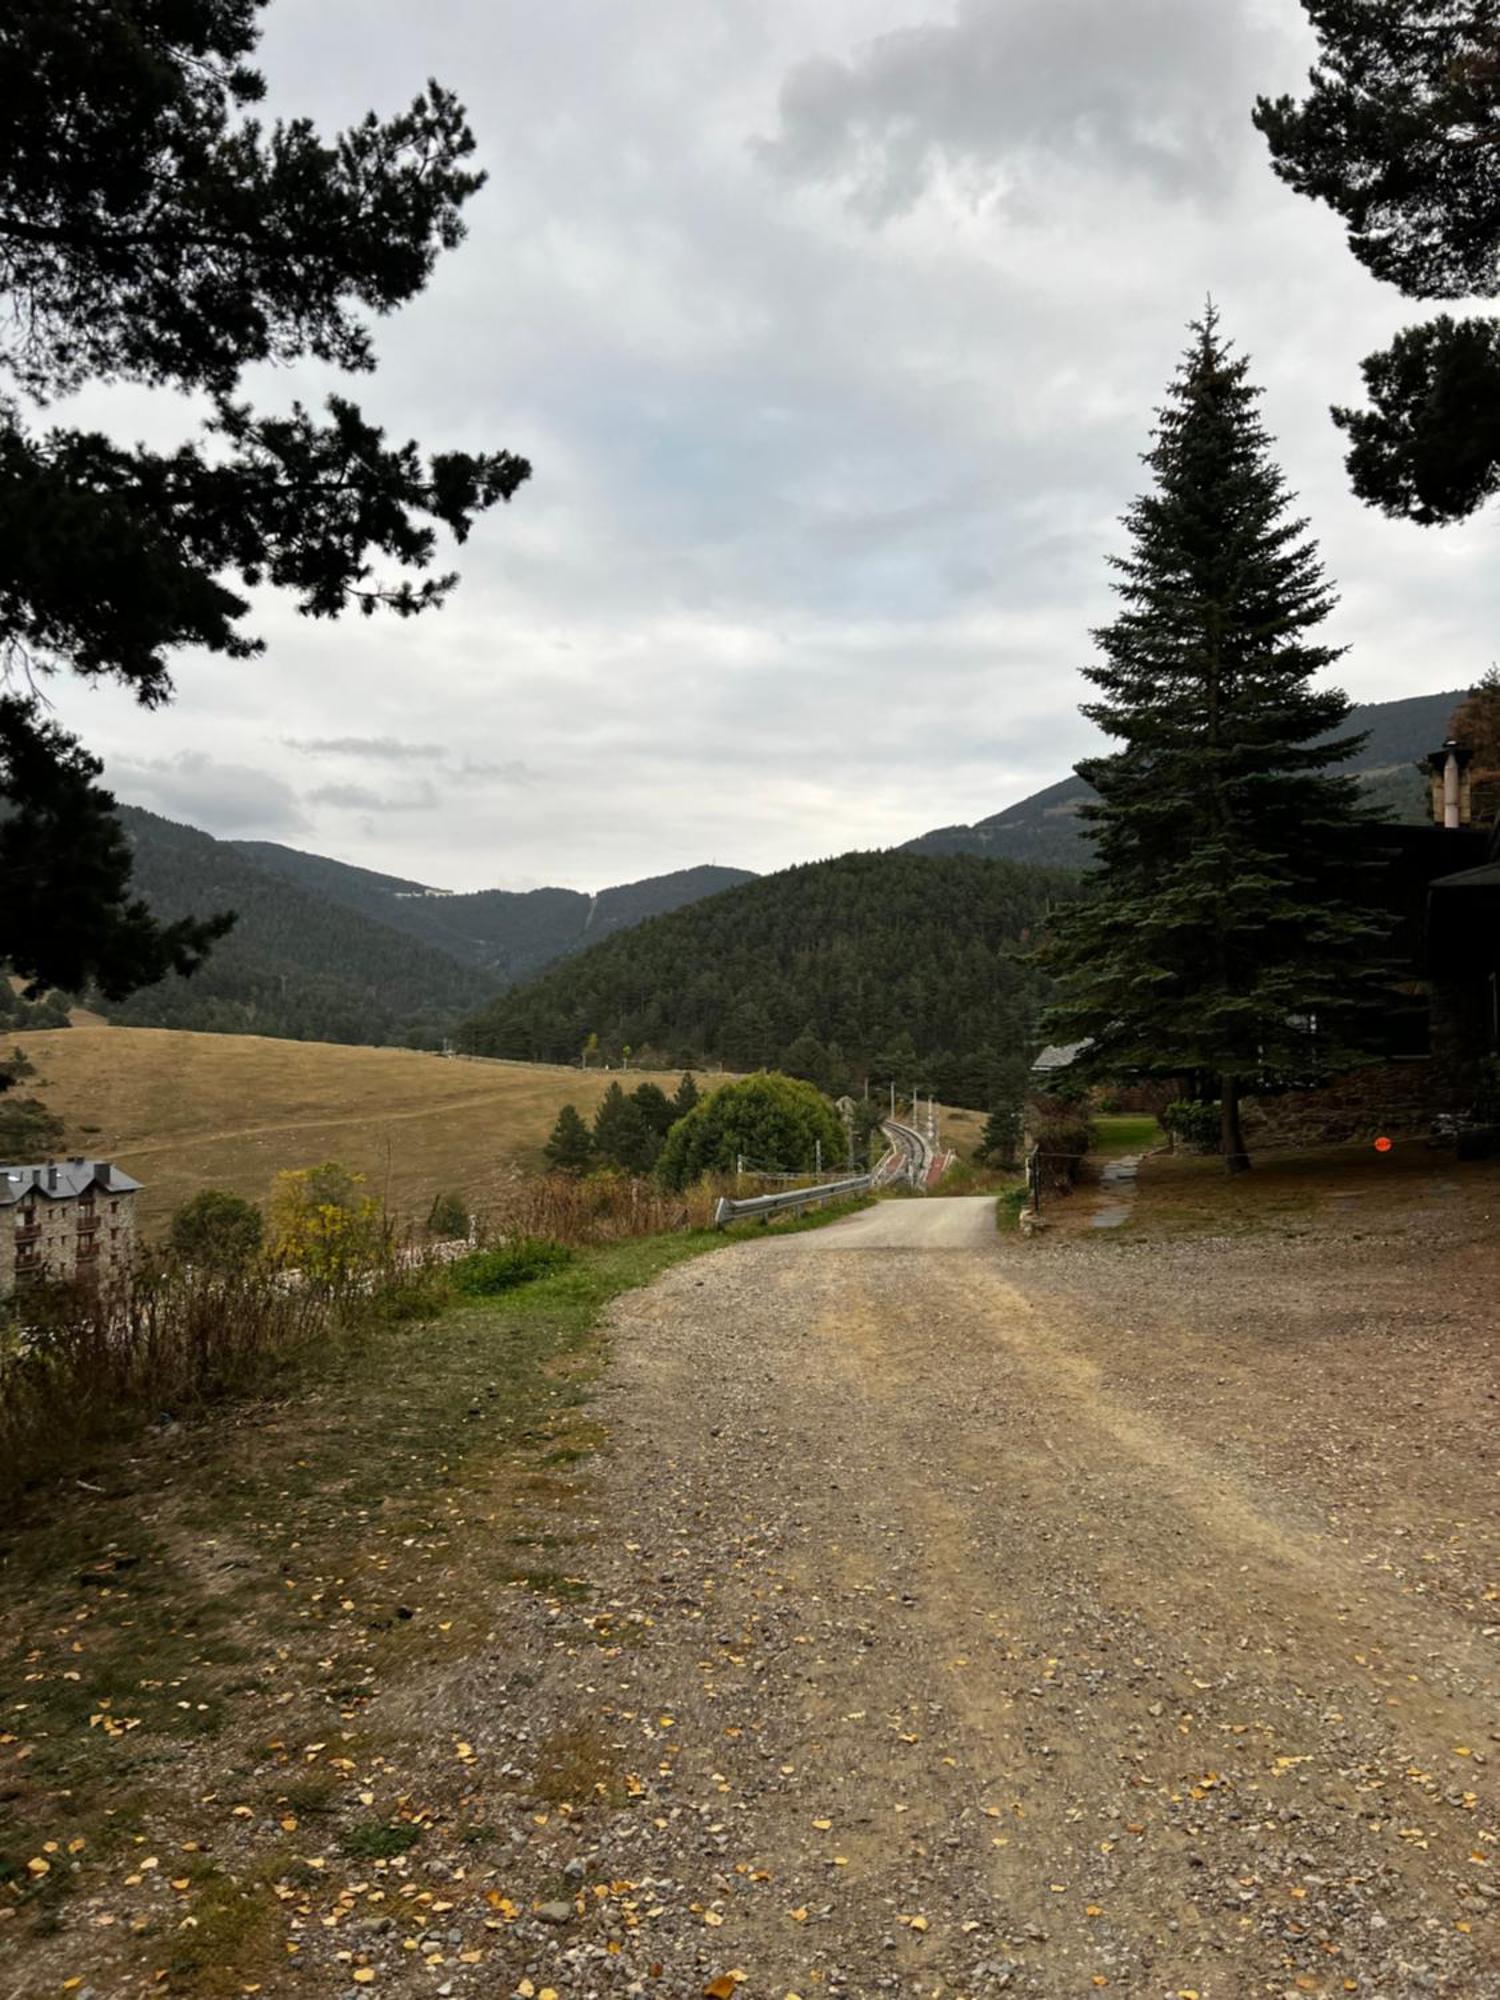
766,1205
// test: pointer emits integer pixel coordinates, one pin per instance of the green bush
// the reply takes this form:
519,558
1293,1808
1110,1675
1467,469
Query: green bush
1008,1207
217,1230
1193,1125
776,1122
487,1272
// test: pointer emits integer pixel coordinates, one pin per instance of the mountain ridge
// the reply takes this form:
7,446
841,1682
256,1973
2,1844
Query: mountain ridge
1044,827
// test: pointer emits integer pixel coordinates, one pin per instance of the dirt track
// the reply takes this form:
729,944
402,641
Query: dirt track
1043,1620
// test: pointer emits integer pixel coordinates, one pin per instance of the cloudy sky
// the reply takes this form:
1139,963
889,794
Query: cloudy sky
833,329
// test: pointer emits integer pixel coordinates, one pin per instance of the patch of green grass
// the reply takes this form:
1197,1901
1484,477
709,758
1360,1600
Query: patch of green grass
1124,1132
487,1272
379,1840
1009,1205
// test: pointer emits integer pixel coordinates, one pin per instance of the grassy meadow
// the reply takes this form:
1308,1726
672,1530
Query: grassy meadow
187,1111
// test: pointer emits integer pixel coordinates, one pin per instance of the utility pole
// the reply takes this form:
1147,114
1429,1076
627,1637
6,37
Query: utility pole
818,1156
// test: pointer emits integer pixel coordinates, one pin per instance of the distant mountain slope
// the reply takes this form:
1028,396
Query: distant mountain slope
853,954
510,934
1045,827
296,964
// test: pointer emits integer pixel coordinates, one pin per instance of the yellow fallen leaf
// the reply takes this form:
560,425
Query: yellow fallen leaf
37,1866
822,1824
712,1919
721,1988
364,1975
919,1923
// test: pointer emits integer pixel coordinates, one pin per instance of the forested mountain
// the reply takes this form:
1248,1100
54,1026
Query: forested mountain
894,963
510,934
295,964
1046,828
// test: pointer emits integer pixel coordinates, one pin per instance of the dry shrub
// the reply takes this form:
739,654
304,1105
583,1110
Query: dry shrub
79,1364
1061,1133
595,1208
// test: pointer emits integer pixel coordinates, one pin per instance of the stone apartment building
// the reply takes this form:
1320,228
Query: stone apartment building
68,1219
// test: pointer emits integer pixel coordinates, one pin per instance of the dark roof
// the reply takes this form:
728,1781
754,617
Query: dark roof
1487,877
62,1180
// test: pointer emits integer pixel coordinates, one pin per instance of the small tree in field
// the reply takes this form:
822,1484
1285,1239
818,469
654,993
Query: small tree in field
217,1231
685,1097
570,1150
622,1136
323,1224
655,1107
1222,935
1002,1130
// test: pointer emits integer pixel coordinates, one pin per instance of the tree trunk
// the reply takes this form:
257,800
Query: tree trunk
1232,1139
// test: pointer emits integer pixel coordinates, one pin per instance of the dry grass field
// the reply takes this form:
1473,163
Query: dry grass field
185,1111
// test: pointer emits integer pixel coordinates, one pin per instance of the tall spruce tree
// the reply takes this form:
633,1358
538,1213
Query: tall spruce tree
622,1137
1224,934
570,1150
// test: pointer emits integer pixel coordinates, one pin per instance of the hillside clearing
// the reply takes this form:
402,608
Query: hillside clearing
185,1111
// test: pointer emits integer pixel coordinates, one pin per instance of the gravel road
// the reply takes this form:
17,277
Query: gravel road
975,1617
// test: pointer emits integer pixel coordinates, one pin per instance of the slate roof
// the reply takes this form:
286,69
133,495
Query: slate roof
63,1180
1058,1056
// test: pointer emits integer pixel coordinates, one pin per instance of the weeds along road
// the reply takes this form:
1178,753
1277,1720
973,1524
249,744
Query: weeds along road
1110,1619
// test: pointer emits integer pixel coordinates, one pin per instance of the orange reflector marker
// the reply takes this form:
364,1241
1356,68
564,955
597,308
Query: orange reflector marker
1382,1145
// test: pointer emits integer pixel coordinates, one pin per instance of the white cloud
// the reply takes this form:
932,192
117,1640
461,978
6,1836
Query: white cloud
233,800
833,331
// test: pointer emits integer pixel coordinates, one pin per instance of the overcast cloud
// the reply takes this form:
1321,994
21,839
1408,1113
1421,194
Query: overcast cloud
833,331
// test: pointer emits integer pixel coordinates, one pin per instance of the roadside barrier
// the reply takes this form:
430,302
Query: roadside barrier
767,1205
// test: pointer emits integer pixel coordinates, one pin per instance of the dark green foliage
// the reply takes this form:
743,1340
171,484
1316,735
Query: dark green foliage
1223,919
69,917
1428,449
217,1231
776,1123
1397,135
858,951
487,1272
1008,1087
1195,1125
19,1014
807,1058
687,1095
151,232
655,1107
29,1132
372,1841
1000,1138
448,1218
570,1150
294,965
623,1137
1400,135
